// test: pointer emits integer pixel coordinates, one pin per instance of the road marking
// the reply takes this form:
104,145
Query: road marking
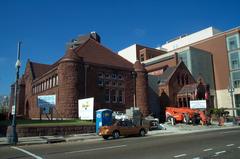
229,145
196,158
217,153
205,150
96,149
27,152
182,155
229,132
239,147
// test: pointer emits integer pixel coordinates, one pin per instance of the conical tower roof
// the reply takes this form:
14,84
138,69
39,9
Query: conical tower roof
139,67
70,55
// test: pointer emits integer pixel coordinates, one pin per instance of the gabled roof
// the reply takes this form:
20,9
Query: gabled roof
169,72
164,78
39,69
94,52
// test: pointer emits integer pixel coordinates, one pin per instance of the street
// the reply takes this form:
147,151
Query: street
219,144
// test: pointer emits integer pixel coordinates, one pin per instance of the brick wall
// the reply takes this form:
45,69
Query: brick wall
24,131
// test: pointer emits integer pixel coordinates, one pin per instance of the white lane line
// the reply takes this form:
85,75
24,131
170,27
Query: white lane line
27,152
217,153
205,150
182,155
229,145
226,132
196,158
239,147
96,149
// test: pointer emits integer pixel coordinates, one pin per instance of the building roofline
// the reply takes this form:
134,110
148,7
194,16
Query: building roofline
159,58
213,37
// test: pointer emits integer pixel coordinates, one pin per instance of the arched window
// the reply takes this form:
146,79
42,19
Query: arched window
56,79
50,82
53,81
47,84
180,102
184,102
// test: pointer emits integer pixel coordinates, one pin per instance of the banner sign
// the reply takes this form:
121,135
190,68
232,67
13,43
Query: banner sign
85,108
13,110
198,104
45,102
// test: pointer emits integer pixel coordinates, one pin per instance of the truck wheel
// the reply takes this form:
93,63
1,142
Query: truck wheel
169,119
142,133
105,137
186,118
172,120
116,134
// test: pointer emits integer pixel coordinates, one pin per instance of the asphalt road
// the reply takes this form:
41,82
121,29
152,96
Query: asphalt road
221,144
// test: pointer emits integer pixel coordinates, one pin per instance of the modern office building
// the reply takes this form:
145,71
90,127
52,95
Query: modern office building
139,52
186,39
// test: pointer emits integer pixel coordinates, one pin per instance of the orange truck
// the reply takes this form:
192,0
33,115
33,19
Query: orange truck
185,115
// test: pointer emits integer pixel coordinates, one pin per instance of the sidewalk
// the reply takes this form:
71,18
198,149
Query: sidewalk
170,130
51,139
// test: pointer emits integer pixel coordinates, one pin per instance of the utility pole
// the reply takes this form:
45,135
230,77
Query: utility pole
85,79
12,133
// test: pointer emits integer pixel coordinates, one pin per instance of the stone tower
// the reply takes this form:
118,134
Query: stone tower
71,84
141,88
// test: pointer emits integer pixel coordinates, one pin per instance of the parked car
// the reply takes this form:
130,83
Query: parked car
122,128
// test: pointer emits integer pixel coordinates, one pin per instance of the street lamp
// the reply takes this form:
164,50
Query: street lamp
231,91
134,76
12,133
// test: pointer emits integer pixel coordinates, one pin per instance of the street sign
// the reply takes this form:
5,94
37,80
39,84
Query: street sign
85,108
198,104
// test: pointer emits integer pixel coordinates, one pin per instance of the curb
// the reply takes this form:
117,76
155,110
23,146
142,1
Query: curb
89,137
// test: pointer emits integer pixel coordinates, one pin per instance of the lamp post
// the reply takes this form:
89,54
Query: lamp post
231,91
86,66
12,133
134,75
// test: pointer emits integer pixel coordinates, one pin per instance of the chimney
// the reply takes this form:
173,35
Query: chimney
95,36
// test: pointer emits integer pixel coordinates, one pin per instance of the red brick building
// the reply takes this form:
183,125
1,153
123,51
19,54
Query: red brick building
87,69
173,86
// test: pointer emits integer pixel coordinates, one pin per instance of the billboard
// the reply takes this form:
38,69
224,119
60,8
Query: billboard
198,104
46,102
85,108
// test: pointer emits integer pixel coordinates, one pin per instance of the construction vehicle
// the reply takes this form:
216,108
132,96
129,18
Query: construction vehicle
185,115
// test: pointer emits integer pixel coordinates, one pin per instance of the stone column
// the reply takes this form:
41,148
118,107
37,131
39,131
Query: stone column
70,71
141,88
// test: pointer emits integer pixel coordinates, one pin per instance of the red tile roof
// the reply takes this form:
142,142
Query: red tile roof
94,52
39,69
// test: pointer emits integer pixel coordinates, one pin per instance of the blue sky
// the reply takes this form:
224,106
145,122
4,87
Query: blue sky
45,26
